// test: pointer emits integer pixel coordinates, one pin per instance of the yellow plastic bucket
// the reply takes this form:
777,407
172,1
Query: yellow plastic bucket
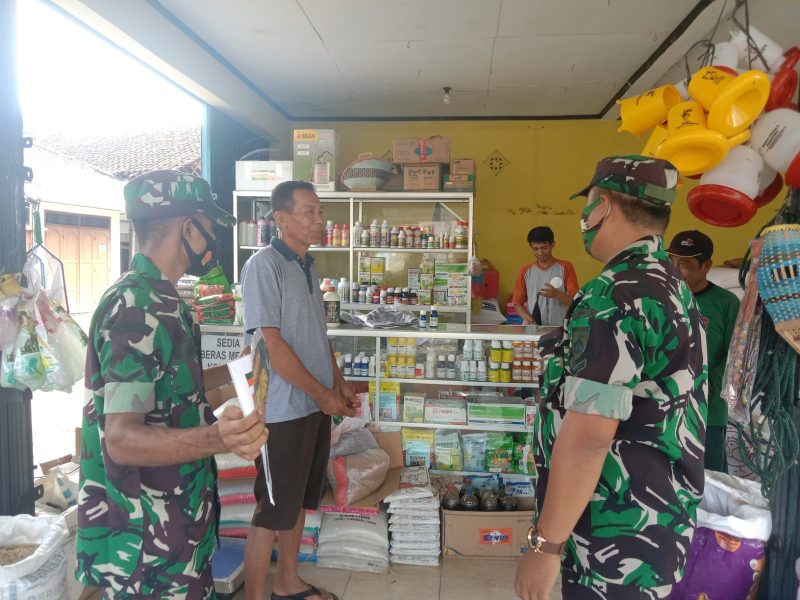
647,110
657,137
707,83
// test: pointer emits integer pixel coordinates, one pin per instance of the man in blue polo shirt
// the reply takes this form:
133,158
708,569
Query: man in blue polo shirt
282,300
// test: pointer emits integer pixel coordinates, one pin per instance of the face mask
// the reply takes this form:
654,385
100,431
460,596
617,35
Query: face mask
589,233
200,264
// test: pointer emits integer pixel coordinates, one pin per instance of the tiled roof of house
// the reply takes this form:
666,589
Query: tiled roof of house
124,156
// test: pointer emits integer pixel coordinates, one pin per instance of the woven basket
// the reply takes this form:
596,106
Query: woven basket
779,280
367,173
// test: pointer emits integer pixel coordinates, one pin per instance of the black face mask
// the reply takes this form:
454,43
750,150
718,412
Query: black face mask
200,264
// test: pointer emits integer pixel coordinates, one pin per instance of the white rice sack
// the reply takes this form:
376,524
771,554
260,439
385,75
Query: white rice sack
421,503
414,483
352,550
352,564
237,512
356,476
415,536
414,512
418,551
420,561
399,547
407,520
340,527
313,520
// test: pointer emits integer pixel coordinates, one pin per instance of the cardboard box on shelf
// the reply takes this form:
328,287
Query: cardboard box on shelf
458,183
496,534
462,166
262,175
504,411
414,408
434,149
422,178
377,269
315,157
364,269
447,412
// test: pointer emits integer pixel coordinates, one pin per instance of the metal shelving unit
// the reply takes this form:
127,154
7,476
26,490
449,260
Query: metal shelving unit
446,204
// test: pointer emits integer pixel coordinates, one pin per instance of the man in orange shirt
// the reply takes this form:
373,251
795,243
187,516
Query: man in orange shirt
544,288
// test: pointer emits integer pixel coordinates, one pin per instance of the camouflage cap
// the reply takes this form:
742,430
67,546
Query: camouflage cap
650,179
164,194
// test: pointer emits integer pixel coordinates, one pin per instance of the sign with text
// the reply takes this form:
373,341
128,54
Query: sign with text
220,348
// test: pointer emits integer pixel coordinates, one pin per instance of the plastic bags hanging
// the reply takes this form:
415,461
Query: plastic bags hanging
22,367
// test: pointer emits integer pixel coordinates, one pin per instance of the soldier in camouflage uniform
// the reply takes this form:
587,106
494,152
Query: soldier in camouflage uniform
621,425
148,505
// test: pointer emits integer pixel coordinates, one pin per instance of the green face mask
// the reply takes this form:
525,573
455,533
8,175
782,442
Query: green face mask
589,233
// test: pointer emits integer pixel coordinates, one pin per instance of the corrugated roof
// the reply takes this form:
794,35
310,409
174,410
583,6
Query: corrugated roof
124,156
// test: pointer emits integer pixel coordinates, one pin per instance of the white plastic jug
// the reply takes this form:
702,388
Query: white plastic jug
740,171
726,54
776,135
771,51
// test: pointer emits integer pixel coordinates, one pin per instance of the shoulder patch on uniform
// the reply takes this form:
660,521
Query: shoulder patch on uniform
579,340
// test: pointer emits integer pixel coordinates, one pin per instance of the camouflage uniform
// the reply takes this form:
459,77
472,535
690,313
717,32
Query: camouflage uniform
146,531
633,350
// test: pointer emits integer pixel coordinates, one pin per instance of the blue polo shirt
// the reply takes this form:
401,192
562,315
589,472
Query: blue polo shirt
279,290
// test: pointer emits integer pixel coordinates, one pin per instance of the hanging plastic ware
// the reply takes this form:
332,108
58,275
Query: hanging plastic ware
776,135
733,103
726,54
690,146
725,194
779,280
658,136
768,49
769,185
647,110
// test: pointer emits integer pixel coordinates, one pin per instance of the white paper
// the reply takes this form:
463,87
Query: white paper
241,371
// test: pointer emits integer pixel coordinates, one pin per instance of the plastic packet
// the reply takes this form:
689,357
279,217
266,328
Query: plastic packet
10,294
447,451
22,367
212,282
499,452
418,447
474,451
524,463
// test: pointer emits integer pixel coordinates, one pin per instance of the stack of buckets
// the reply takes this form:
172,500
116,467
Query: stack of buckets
736,131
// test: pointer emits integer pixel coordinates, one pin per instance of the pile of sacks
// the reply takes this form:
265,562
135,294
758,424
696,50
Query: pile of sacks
357,465
356,542
414,520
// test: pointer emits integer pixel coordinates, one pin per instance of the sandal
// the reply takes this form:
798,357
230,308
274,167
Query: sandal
311,591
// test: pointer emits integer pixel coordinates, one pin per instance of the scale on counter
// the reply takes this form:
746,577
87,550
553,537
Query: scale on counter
227,566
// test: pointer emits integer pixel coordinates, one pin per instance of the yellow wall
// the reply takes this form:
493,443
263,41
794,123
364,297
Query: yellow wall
547,161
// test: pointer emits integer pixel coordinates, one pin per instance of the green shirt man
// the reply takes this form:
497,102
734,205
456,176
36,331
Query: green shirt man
690,252
148,505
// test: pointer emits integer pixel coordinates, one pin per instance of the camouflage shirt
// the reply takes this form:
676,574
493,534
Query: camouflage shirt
634,351
146,531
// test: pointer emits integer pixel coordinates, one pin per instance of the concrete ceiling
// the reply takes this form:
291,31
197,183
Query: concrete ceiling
269,63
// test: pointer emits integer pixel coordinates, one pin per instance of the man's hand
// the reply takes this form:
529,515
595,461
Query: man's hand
527,320
244,436
548,291
333,403
536,575
349,394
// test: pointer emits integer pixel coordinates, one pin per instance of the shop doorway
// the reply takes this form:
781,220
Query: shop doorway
82,242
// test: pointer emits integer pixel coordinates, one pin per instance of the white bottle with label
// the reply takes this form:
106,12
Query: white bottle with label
343,289
332,307
385,234
355,233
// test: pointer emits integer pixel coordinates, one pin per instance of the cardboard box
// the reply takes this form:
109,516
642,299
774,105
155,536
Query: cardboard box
495,534
262,175
422,178
434,149
448,412
315,157
458,183
509,411
462,166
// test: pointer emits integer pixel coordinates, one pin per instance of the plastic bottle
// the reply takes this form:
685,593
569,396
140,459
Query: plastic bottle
430,364
433,321
527,371
496,352
419,371
482,370
371,366
241,233
390,295
451,366
332,307
252,237
451,242
394,237
401,238
463,371
417,237
467,349
460,234
374,234
508,353
391,346
326,283
272,229
365,238
345,236
423,238
356,233
473,370
385,234
505,373
261,232
336,236
441,367
516,371
423,319
477,350
344,290
494,372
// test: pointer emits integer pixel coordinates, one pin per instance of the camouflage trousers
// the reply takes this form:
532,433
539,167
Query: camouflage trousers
571,590
164,585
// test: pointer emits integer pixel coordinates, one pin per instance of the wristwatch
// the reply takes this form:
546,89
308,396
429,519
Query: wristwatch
538,543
